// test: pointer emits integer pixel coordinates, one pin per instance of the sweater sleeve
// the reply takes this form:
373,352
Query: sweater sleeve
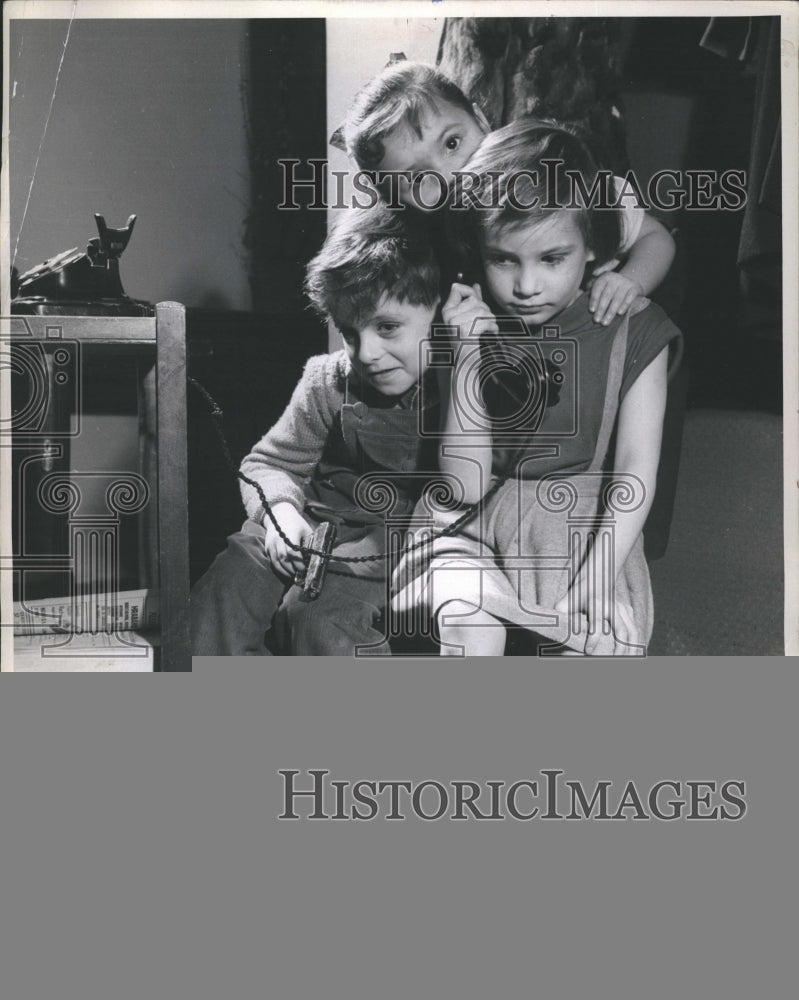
283,460
631,216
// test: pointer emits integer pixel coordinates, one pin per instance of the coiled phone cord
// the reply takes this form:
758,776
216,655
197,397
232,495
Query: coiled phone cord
218,416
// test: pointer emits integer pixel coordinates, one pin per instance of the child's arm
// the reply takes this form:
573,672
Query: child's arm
283,460
470,465
638,442
647,264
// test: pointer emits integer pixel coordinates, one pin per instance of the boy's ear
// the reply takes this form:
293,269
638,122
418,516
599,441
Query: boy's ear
482,121
336,140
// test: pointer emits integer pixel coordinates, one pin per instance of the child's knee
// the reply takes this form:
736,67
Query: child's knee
315,629
465,628
232,604
453,611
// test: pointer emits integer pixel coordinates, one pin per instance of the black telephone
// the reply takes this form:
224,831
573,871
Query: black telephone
81,284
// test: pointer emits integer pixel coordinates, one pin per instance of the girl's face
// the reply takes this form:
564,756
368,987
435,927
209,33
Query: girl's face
534,270
450,136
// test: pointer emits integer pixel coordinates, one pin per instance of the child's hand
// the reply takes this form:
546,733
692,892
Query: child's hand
465,309
585,602
284,560
612,295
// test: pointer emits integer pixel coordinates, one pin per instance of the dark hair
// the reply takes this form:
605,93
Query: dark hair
511,175
372,252
400,95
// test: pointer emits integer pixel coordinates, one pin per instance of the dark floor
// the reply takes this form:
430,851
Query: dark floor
719,588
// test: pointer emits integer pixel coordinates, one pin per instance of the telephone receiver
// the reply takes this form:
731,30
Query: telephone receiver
111,242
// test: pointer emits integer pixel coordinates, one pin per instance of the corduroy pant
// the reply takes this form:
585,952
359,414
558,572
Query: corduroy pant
240,599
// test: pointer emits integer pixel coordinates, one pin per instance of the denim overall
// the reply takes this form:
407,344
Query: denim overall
240,595
381,441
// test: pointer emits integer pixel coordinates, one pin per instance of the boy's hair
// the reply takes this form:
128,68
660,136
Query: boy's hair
517,151
400,95
370,253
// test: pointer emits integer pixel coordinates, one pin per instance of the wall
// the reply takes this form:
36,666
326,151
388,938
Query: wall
142,117
146,117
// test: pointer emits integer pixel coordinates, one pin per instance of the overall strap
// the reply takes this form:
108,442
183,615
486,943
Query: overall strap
618,354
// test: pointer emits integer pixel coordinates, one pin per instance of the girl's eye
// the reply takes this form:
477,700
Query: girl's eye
499,261
385,328
452,143
558,259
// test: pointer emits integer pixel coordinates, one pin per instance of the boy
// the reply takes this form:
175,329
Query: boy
353,412
413,118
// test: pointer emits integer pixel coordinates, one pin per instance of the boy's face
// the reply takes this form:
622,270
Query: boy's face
534,270
450,135
384,349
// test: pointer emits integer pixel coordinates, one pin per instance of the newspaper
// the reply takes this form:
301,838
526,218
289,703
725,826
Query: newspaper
99,614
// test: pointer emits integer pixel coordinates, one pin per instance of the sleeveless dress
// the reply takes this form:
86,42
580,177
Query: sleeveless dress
516,558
